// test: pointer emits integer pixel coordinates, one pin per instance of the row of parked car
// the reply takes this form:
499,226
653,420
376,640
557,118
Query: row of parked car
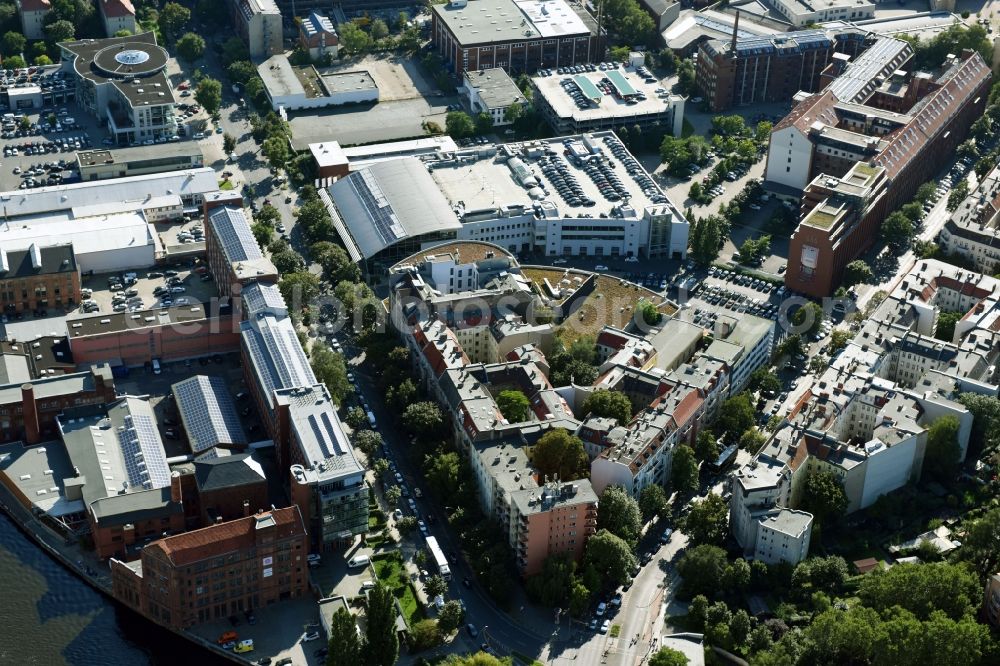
66,144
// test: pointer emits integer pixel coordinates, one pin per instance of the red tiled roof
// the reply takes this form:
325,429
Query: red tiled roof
35,5
227,537
935,112
117,8
818,107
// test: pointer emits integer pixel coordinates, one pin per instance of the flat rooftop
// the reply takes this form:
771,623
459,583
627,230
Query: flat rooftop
138,153
490,183
605,106
495,87
124,321
340,82
487,21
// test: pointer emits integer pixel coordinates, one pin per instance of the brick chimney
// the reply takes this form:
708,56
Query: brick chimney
246,508
29,408
176,494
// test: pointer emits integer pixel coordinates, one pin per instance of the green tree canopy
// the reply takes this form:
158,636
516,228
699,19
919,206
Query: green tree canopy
942,452
736,415
344,647
923,589
701,569
330,369
190,46
857,272
610,556
708,521
652,502
558,453
335,262
811,315
684,469
298,289
668,657
172,18
609,404
209,94
353,40
706,446
381,646
459,125
60,31
823,496
514,405
12,43
450,616
619,514
423,418
441,470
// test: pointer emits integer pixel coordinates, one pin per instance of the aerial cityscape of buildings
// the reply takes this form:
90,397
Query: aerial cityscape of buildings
371,328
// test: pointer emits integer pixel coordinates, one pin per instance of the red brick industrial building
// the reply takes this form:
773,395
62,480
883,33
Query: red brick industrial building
217,571
38,278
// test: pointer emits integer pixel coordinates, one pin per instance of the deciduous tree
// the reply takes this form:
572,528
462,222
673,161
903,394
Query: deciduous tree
684,469
514,405
609,404
610,556
344,648
381,646
190,46
708,521
652,502
558,453
823,496
619,514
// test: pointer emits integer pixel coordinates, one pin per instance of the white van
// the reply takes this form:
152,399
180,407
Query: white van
357,561
371,419
156,366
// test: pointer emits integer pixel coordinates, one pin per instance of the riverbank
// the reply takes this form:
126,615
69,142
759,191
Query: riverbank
85,568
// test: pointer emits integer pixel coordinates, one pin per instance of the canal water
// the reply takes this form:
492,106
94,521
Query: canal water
50,617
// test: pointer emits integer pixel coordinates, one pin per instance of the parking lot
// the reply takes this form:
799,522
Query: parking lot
153,288
38,145
276,632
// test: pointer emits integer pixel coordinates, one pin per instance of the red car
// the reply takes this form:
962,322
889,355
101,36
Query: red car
184,86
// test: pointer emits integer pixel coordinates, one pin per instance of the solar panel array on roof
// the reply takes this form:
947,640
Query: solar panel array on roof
208,412
588,88
231,227
792,42
370,193
142,452
621,84
276,354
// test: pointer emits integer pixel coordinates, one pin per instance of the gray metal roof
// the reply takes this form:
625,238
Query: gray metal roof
389,202
228,472
208,413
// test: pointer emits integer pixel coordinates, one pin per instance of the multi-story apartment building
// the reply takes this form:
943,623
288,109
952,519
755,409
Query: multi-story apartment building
217,571
121,81
893,125
258,23
33,13
514,35
973,231
866,417
743,344
328,482
117,15
38,278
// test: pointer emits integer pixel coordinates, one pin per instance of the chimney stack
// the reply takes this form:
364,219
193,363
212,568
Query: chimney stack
246,508
736,27
176,495
29,408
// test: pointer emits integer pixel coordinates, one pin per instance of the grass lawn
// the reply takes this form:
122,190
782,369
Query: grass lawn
225,184
389,570
147,26
525,659
408,600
